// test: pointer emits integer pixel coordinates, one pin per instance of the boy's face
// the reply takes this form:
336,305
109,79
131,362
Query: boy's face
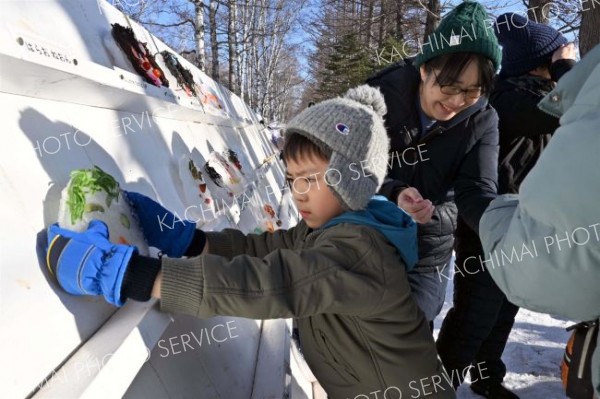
315,200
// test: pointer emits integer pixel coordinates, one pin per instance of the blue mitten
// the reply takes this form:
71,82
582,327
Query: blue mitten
162,229
87,263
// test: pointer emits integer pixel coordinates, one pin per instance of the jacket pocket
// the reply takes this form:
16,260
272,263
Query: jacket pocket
337,362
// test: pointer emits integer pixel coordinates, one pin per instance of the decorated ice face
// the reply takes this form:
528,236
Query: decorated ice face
223,174
138,54
199,201
233,158
208,98
94,194
184,77
197,176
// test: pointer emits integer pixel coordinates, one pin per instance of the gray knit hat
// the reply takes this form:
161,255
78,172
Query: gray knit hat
351,128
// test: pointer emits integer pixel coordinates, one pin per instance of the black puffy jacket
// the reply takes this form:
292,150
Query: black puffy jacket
457,163
525,131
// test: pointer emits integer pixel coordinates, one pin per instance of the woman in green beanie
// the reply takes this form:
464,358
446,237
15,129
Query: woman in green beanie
444,154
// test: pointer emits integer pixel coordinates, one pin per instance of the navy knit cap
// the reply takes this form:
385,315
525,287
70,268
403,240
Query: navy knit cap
525,43
465,29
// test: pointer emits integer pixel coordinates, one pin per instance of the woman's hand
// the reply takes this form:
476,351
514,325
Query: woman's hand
411,201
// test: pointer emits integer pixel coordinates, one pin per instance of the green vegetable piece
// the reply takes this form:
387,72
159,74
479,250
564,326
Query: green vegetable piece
196,174
92,207
89,181
125,221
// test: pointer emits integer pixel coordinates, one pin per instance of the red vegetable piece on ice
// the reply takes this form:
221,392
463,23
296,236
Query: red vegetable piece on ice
269,210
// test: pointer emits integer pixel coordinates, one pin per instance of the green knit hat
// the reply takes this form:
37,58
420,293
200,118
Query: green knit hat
467,28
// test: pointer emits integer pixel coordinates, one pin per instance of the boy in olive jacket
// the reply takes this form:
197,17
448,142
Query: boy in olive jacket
341,272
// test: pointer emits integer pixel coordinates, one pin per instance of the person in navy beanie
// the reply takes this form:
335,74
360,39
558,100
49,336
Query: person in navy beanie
476,329
527,45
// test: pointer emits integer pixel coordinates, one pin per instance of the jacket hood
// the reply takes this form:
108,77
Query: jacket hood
395,224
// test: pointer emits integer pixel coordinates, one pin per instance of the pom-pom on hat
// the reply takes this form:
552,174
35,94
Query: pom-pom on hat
466,28
525,43
352,129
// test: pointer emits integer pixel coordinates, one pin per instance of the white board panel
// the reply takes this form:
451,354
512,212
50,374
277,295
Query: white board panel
70,100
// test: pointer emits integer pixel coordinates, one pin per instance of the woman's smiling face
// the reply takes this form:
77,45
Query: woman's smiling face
443,107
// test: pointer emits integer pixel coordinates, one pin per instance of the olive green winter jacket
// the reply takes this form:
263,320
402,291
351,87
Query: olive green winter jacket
346,285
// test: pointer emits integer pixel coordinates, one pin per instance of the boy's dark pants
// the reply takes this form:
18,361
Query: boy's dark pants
476,329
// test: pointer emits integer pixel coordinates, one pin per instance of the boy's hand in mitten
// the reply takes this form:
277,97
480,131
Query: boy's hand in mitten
162,229
88,263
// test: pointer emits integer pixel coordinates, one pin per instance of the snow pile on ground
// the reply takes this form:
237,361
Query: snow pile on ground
532,355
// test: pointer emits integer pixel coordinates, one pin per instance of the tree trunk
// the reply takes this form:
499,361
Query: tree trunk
251,57
399,32
370,23
382,22
199,34
261,59
214,44
538,10
433,16
243,55
238,54
232,46
589,32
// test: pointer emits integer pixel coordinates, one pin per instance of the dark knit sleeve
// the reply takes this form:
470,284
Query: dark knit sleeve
139,278
197,245
560,67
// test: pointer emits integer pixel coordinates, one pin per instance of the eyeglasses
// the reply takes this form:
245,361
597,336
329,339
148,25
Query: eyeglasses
451,90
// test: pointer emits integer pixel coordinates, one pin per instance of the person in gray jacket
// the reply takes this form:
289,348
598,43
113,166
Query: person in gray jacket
341,272
553,224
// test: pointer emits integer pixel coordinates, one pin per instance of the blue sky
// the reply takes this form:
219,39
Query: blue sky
511,6
301,37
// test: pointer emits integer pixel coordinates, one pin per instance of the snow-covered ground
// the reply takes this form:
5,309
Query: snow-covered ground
532,355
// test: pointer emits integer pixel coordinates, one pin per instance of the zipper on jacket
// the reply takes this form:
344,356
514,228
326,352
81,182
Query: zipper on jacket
412,144
431,134
410,137
427,137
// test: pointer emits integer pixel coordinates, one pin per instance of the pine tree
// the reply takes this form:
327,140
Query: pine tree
348,65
